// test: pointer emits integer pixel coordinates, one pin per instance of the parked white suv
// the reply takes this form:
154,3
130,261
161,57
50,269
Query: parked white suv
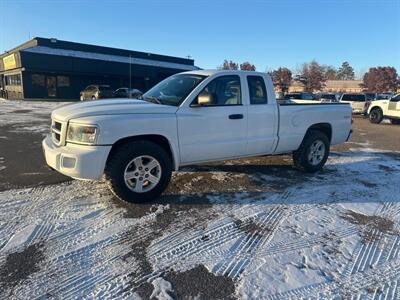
359,103
189,118
380,109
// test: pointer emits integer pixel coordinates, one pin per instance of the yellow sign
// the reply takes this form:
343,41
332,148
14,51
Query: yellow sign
9,62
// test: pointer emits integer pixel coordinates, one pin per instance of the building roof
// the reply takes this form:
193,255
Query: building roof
57,47
108,57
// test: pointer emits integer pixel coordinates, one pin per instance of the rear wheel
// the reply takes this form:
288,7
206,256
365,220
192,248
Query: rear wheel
138,171
81,98
313,152
93,97
376,115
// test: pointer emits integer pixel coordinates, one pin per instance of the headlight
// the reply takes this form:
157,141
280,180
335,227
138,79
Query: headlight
82,134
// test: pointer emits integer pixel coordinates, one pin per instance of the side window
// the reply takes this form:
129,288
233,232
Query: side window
258,94
307,96
395,99
224,90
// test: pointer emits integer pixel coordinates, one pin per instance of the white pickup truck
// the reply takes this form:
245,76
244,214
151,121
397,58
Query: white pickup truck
380,109
189,118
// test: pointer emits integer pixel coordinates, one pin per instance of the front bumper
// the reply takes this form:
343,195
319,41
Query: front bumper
76,161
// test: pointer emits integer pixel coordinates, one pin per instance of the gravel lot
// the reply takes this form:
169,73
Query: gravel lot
250,228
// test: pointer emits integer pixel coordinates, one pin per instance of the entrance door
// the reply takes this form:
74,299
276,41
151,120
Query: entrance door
51,86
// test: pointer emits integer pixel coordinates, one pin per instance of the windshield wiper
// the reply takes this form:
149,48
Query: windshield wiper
152,99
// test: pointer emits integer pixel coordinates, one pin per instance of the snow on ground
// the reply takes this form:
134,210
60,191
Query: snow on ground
313,239
19,113
334,235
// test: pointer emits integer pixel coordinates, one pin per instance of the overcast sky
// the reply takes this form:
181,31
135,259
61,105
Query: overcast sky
269,34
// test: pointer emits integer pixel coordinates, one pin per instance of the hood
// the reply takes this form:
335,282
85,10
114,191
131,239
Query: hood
110,107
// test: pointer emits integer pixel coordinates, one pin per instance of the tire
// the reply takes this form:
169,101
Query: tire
81,98
395,121
315,141
94,98
124,162
376,116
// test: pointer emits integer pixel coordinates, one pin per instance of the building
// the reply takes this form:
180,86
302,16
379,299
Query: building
53,69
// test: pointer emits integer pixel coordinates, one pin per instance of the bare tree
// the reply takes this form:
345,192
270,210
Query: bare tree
381,79
246,66
229,65
311,75
282,78
330,73
345,72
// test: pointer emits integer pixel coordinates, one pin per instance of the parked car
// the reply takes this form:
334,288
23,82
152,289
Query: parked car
94,92
358,102
128,93
327,98
189,118
300,96
380,109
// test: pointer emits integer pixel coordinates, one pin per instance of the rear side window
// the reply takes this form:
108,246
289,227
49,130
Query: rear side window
258,94
353,97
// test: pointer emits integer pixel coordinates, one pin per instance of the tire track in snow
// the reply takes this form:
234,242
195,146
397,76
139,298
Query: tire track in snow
235,264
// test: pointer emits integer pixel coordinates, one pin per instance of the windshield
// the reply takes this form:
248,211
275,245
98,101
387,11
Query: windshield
353,97
174,89
328,96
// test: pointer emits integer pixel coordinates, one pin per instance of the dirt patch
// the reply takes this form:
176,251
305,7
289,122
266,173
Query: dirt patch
21,111
367,183
250,227
20,265
371,224
386,168
199,283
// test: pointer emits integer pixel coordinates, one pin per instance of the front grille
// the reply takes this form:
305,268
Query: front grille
56,132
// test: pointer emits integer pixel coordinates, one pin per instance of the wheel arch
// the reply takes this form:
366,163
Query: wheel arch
374,107
325,128
160,140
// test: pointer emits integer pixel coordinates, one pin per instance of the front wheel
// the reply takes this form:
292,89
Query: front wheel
138,171
313,152
376,116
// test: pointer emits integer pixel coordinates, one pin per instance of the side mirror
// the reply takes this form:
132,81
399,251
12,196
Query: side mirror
204,99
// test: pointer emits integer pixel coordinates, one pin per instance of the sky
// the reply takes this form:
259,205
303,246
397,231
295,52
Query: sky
269,33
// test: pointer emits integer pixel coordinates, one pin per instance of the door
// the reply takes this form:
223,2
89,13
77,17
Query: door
262,118
51,86
394,106
217,130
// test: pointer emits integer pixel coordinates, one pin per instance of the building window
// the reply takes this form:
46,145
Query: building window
13,79
62,81
37,80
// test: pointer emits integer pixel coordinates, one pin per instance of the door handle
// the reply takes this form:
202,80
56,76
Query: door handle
236,116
